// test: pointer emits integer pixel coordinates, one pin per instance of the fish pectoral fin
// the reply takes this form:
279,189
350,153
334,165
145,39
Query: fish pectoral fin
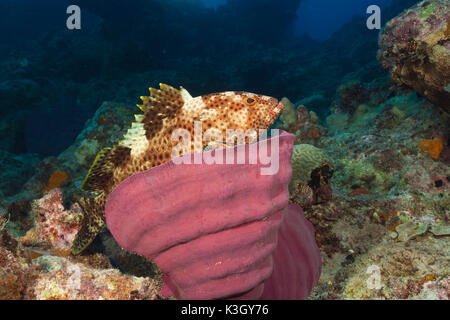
101,172
92,224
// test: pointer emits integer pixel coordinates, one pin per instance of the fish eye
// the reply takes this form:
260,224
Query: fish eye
249,101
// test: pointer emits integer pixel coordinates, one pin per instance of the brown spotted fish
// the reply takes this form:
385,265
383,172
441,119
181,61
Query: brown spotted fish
149,142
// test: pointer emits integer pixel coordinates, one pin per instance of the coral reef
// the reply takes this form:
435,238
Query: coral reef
55,227
65,280
304,124
39,266
15,276
312,170
288,116
15,273
389,213
379,205
28,177
389,195
406,272
351,95
415,47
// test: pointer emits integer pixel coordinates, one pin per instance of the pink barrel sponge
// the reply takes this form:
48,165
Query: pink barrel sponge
213,229
297,262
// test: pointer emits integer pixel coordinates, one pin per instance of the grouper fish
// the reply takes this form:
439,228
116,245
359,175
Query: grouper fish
149,141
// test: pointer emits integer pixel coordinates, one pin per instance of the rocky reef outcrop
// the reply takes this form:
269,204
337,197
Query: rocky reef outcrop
37,266
390,193
384,234
415,48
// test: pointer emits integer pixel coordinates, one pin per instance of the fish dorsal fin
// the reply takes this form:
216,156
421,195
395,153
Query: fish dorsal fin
185,94
162,103
135,138
99,176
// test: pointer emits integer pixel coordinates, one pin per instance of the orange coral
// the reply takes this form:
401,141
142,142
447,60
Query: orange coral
314,133
429,277
55,181
434,147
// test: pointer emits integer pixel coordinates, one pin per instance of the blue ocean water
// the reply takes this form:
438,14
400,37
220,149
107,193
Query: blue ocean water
274,47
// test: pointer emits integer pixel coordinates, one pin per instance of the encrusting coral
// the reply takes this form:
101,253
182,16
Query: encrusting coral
15,275
36,267
55,226
390,190
301,122
434,147
351,95
289,114
68,280
415,47
312,171
412,271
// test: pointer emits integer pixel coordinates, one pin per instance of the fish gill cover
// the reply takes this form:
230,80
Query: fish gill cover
367,112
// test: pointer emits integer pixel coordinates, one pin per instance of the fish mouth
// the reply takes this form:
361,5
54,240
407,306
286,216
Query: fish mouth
278,108
274,111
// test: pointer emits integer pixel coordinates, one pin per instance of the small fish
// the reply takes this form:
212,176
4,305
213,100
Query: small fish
148,142
33,253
